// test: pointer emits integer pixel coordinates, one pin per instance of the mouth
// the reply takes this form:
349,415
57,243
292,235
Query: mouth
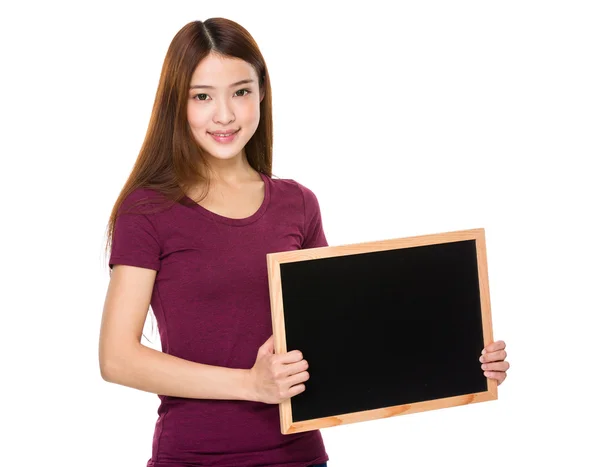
224,137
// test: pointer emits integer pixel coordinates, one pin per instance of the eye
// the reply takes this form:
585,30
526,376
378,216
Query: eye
201,97
247,91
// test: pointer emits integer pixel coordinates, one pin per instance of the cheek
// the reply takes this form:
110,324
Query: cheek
196,117
250,113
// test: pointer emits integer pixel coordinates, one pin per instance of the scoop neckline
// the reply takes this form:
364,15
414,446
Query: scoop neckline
233,221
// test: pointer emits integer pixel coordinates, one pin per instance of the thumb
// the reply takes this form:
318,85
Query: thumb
269,346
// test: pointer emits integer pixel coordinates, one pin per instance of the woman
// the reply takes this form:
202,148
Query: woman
188,236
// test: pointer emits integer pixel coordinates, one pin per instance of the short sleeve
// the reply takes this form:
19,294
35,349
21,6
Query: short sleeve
314,236
135,241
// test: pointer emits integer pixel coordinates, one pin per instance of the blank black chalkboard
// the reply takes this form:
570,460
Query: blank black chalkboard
387,327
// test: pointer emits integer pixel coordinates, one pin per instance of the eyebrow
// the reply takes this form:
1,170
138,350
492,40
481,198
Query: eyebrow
244,81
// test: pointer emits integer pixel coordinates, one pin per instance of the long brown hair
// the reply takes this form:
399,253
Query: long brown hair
170,159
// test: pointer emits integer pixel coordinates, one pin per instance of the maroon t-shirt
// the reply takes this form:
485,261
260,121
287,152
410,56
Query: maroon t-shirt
212,305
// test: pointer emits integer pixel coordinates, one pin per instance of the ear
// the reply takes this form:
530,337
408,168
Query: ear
262,94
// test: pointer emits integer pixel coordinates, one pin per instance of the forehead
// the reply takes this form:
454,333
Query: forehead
218,71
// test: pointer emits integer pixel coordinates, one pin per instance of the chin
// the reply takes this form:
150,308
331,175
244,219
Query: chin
221,153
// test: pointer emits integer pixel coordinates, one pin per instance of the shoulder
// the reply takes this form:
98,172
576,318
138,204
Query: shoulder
143,194
294,187
142,200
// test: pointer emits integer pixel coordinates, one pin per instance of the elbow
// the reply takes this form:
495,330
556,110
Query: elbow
108,369
111,364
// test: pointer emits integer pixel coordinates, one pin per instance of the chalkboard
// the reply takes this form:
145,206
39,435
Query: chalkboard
388,327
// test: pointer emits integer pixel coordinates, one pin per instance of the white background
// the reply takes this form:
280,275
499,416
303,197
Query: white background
403,118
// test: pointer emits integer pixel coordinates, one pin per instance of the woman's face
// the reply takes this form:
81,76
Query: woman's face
223,105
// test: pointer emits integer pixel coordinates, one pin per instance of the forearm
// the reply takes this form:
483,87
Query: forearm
153,371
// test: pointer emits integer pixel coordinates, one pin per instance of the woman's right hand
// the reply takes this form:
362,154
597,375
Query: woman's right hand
275,378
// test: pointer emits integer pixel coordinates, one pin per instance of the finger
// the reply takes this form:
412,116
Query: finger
296,379
294,368
499,376
498,356
494,346
295,390
496,366
290,357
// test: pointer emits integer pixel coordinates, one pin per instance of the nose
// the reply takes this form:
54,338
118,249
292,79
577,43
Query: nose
223,113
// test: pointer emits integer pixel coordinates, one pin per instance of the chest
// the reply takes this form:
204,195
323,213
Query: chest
235,204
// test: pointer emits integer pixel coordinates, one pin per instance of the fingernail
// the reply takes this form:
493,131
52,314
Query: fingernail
481,359
483,352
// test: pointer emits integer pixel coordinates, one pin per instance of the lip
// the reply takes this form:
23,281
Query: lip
224,139
224,132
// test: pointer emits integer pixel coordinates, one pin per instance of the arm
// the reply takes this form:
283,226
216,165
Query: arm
126,361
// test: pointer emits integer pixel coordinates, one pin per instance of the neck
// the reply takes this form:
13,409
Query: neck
232,172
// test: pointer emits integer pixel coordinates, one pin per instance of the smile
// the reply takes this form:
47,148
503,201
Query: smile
224,137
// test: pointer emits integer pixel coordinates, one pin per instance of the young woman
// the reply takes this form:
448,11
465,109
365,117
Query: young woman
188,235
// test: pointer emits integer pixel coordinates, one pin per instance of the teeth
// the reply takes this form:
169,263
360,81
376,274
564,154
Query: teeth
223,135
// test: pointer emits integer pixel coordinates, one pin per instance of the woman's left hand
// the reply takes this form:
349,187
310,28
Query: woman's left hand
493,361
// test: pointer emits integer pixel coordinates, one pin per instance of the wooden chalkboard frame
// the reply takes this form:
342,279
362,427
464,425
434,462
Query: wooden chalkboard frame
274,260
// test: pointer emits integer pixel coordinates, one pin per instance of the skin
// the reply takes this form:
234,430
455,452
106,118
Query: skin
123,359
274,377
215,104
493,361
221,106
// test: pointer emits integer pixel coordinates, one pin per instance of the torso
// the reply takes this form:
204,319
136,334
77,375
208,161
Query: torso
212,306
